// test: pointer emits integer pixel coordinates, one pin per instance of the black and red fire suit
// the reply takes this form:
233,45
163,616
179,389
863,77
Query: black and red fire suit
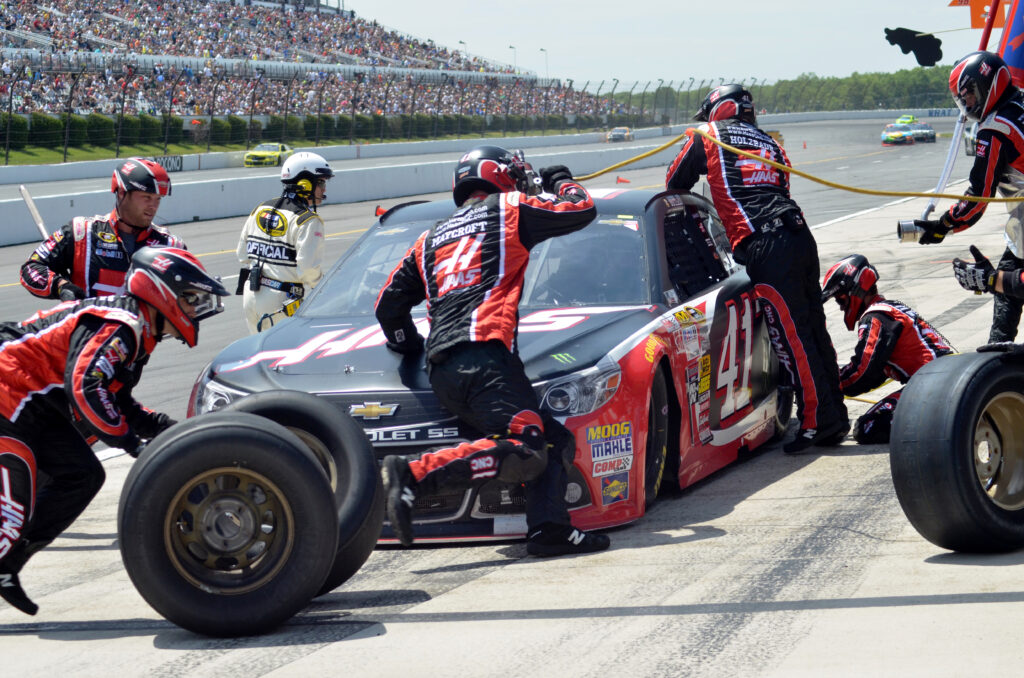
893,342
78,358
469,268
769,235
998,166
91,253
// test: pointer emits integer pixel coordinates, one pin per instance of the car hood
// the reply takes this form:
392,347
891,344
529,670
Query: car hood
321,355
262,153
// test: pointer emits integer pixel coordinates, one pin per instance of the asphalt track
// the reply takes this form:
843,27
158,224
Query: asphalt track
776,566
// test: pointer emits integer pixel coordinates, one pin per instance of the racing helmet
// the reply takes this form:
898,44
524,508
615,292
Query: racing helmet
491,169
303,170
139,174
851,281
162,276
986,76
727,101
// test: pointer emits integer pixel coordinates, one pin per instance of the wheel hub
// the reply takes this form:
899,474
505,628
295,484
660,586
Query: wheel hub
999,450
227,525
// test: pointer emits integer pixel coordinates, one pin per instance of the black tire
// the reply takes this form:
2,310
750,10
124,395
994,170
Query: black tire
657,439
342,449
783,412
957,452
269,534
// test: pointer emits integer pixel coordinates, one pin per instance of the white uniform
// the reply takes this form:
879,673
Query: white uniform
286,239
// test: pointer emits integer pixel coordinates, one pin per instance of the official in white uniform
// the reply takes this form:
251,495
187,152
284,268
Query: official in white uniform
282,244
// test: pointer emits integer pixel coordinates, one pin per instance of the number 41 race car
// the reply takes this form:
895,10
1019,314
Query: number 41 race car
639,332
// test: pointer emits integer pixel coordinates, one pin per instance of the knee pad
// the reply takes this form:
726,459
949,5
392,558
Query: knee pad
873,430
520,463
17,491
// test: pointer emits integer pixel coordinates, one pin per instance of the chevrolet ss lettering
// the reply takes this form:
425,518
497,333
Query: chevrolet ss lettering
638,332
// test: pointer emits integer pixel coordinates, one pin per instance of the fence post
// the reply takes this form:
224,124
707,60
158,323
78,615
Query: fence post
67,123
120,115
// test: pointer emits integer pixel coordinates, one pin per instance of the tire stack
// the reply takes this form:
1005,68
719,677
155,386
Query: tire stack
232,522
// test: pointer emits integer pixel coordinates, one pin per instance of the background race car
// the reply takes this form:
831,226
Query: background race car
267,154
923,132
897,134
619,134
639,332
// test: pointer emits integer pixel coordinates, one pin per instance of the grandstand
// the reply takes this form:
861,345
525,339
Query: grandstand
217,58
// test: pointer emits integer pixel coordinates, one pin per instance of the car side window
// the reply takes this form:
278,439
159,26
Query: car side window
692,247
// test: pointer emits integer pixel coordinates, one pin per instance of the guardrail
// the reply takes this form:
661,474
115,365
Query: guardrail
203,199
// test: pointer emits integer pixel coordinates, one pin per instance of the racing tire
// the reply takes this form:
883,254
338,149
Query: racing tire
957,452
783,412
656,452
343,451
226,525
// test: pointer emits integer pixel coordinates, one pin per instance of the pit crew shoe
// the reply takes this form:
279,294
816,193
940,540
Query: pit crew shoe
806,437
562,540
399,496
11,591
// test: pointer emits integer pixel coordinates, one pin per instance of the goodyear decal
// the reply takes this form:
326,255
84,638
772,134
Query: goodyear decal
614,488
705,374
272,222
106,236
651,347
610,440
606,467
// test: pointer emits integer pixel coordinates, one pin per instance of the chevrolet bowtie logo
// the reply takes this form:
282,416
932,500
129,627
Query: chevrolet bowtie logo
372,410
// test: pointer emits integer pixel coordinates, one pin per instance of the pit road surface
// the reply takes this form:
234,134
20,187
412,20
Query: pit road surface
778,566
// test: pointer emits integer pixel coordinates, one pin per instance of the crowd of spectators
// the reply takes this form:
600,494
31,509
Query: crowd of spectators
222,31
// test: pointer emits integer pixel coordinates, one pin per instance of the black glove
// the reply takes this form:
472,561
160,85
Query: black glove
70,292
152,425
1002,347
135,451
979,276
550,177
407,344
934,230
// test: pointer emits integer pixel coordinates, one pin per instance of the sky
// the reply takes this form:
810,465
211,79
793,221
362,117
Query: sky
644,40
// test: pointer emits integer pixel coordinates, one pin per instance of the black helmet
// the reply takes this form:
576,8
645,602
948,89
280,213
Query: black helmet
727,101
984,75
851,281
139,174
491,169
161,276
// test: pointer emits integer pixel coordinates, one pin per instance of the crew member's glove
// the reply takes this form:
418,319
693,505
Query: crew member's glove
406,343
934,230
550,177
70,292
135,451
152,425
979,276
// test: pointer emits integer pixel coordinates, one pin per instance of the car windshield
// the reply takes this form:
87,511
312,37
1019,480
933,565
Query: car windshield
897,128
266,147
604,263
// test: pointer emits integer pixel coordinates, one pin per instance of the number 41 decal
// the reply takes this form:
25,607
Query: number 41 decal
733,375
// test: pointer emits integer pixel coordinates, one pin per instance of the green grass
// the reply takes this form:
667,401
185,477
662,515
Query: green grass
37,155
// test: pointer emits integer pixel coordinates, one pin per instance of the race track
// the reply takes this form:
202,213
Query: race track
778,566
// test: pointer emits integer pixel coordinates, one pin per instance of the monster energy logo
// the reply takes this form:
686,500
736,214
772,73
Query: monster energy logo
564,358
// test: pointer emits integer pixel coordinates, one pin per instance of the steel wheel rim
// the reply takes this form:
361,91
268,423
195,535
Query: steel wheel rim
998,450
229,530
322,454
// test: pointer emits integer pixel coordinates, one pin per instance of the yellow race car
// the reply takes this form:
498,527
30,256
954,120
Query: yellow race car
905,119
267,154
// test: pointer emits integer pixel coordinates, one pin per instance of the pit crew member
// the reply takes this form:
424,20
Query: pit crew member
82,357
469,268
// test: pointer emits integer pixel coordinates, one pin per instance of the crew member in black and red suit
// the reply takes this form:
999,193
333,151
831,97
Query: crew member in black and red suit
893,342
469,268
770,237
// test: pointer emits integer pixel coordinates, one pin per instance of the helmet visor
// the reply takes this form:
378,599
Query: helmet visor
202,304
968,100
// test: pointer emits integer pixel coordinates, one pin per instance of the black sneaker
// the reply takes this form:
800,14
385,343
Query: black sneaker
11,591
560,540
806,437
399,496
836,438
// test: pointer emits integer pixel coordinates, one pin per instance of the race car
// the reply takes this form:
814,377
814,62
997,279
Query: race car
906,119
639,332
897,134
922,132
971,139
267,154
619,134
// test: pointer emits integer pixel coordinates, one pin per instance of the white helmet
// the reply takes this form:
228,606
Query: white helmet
303,169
